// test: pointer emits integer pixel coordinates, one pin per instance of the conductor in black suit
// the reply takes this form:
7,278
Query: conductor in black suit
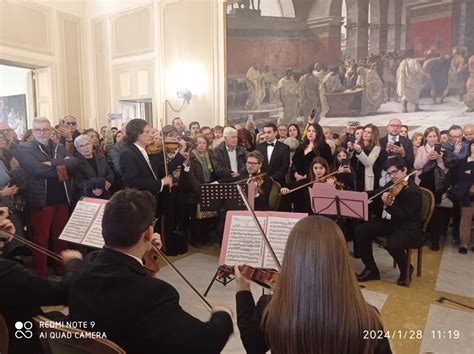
140,313
137,170
400,222
276,155
395,144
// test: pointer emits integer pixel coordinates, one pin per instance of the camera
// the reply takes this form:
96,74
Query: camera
344,162
437,148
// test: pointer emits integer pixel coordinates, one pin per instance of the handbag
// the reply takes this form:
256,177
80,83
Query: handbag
445,201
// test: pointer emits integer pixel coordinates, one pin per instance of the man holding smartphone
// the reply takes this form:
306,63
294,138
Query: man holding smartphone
395,144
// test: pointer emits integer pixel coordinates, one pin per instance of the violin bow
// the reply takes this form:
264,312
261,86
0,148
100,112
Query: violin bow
250,178
391,186
310,183
31,244
164,149
202,298
259,226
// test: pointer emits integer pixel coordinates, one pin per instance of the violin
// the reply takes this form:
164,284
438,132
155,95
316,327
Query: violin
156,148
259,180
264,277
321,179
150,261
396,191
392,186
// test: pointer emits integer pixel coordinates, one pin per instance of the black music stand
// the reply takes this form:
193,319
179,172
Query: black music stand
221,197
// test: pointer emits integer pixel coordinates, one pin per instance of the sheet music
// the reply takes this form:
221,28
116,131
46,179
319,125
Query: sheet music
79,221
245,244
94,236
278,230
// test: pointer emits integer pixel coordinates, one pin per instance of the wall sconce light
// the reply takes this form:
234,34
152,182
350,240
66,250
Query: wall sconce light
185,94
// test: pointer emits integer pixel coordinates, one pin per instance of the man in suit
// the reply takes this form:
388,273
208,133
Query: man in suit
395,144
140,313
276,155
400,222
229,158
137,171
24,292
262,185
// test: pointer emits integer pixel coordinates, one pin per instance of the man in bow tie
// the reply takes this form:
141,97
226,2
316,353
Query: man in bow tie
276,155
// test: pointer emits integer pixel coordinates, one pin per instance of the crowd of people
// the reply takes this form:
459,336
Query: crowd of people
397,76
44,176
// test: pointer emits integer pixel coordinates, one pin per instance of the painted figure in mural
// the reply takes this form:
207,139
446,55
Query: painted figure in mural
308,89
288,90
255,87
389,80
409,77
469,97
330,84
270,83
319,72
373,95
456,78
432,62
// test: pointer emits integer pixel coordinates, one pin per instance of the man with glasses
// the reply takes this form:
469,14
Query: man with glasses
262,185
69,130
47,167
395,144
139,312
400,223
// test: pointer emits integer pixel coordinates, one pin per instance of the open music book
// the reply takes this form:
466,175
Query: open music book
243,244
85,224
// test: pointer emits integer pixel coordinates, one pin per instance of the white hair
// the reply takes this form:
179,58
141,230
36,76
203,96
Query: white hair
83,138
39,120
228,131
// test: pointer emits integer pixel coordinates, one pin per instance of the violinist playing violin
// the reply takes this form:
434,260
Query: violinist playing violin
317,170
261,184
139,312
400,223
310,310
23,292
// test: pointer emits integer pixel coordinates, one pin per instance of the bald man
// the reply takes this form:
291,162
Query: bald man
468,130
395,144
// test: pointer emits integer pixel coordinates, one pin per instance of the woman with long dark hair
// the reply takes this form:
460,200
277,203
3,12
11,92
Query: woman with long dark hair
317,306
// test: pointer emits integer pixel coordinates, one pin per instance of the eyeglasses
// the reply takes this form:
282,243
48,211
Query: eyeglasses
393,172
44,130
252,163
71,123
83,146
395,125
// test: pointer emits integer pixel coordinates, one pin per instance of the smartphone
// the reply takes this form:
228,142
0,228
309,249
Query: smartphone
437,148
344,162
397,143
313,113
116,116
250,118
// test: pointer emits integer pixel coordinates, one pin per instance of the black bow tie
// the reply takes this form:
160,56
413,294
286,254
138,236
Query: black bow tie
271,144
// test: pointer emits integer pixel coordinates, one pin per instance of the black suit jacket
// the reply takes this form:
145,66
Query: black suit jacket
221,162
141,313
279,162
21,295
407,145
136,172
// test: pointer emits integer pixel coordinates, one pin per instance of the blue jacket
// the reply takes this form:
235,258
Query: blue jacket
31,157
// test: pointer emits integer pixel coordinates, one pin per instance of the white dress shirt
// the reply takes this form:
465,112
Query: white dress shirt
233,159
270,149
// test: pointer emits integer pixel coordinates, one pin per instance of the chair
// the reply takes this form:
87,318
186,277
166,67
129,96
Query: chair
3,335
427,208
63,340
275,197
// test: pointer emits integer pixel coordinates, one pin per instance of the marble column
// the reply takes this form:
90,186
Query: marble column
357,40
378,38
394,38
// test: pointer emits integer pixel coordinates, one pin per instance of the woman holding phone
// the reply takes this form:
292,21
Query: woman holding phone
431,173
